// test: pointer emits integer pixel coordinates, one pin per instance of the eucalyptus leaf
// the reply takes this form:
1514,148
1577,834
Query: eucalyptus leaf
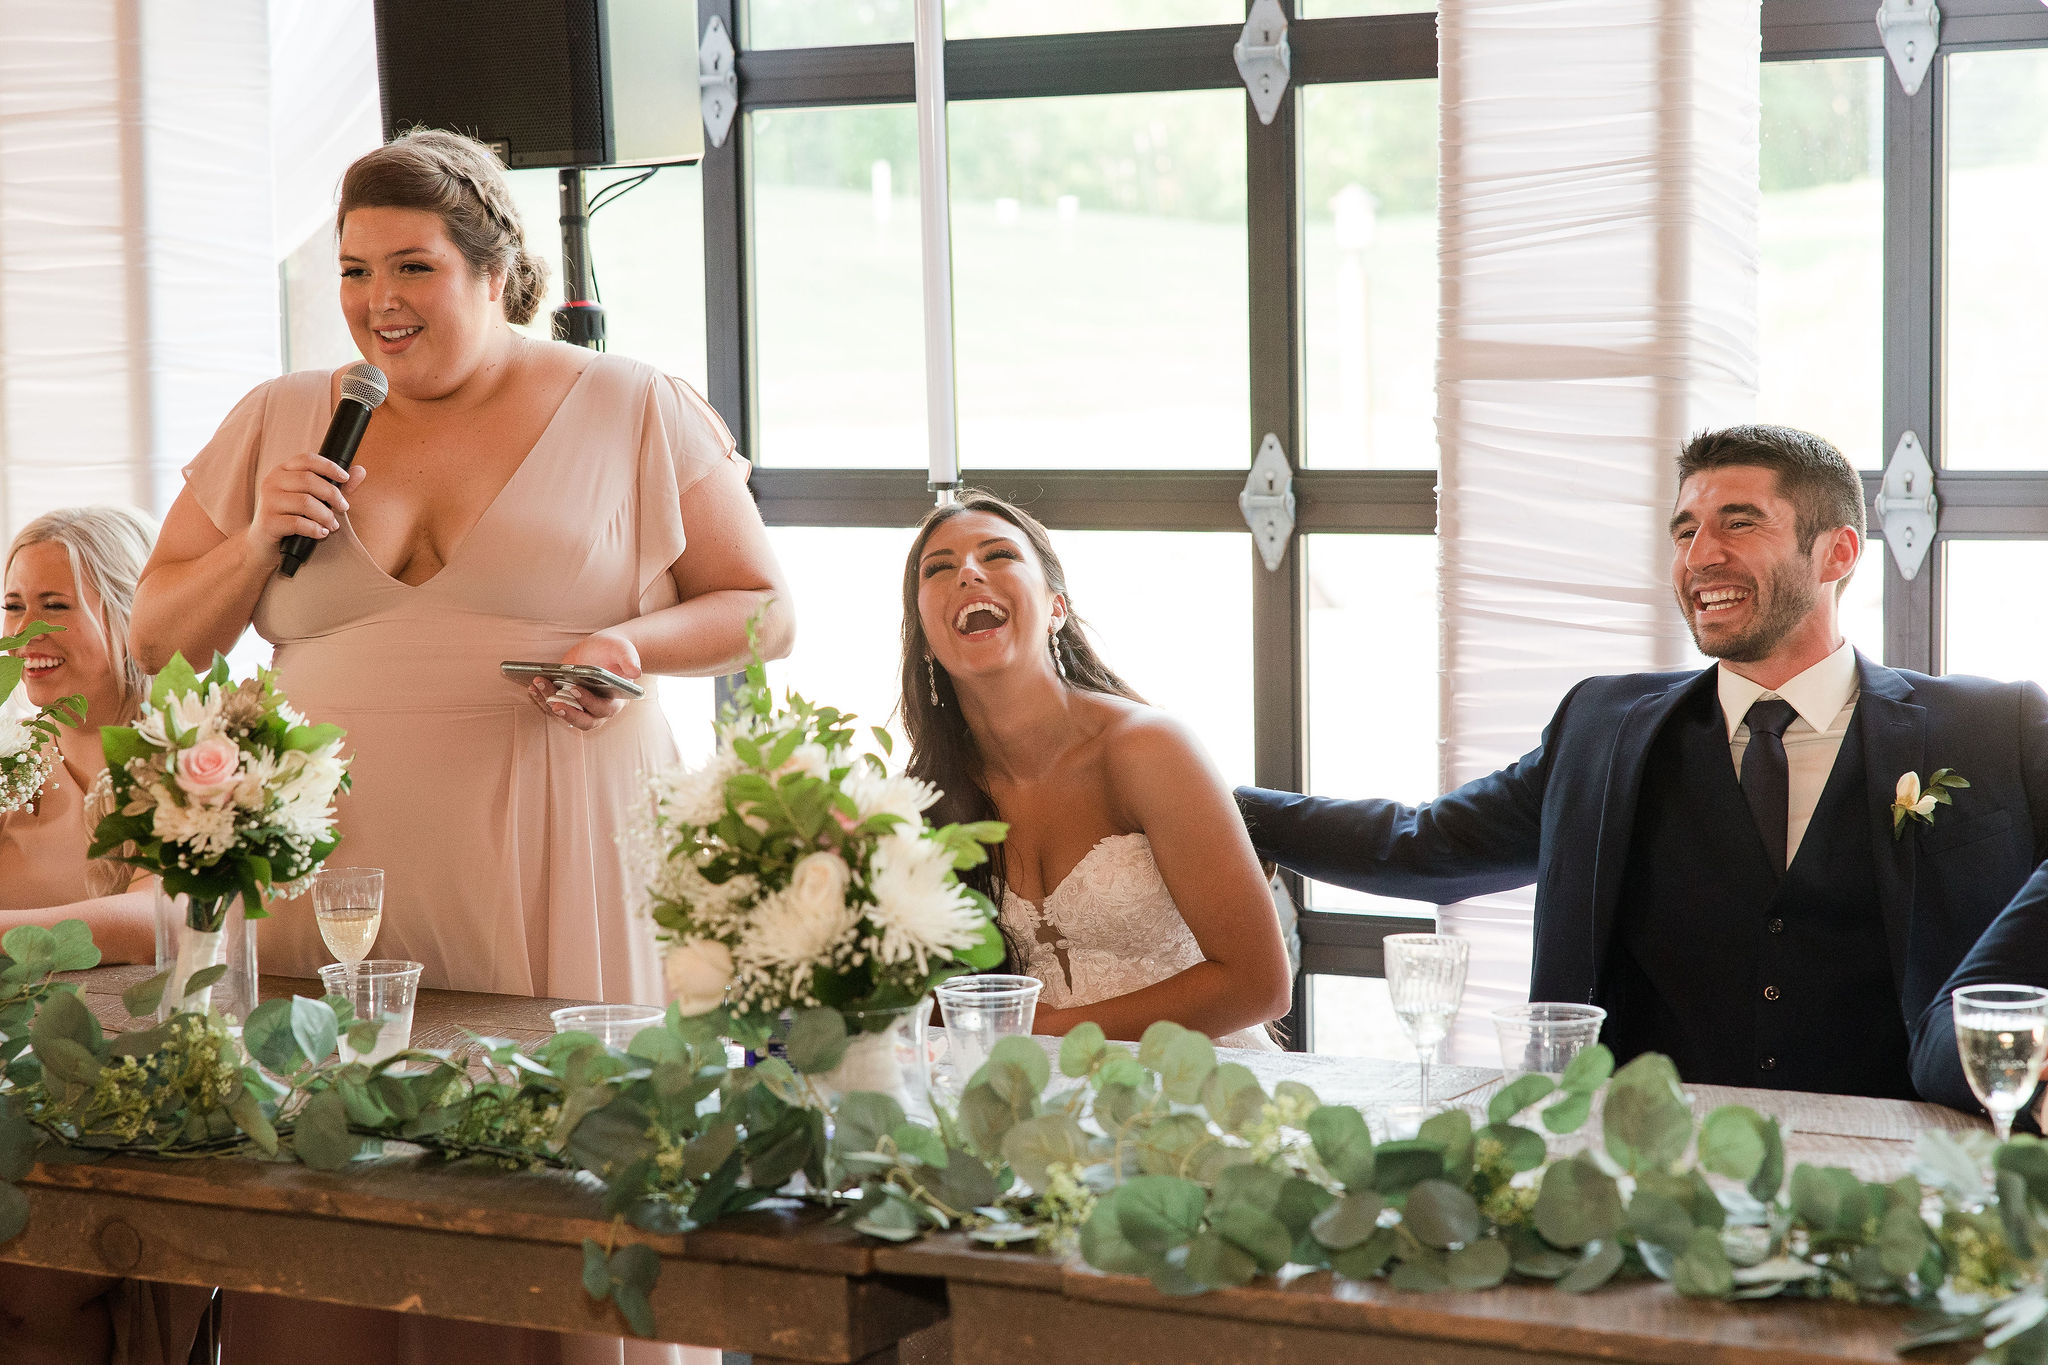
314,1026
1344,1144
1399,1165
1602,1259
1569,1114
1349,1221
1369,1257
1702,1270
1521,1149
247,1111
142,998
1731,1142
1423,1274
817,1040
1578,1203
1215,1262
203,978
1233,1097
268,1035
1036,1143
1478,1265
1588,1070
1440,1214
1646,1119
1660,1221
1261,1235
1104,1246
320,1134
1084,1043
1157,1212
1517,1095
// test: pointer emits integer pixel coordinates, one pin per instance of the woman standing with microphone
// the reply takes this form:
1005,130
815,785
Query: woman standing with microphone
513,499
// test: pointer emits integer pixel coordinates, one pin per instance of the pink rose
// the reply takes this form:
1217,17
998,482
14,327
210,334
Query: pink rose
208,769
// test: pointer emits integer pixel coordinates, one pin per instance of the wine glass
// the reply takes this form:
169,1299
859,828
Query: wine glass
1426,978
2002,1034
348,905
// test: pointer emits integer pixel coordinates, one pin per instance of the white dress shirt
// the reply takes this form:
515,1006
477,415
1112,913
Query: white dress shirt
1825,698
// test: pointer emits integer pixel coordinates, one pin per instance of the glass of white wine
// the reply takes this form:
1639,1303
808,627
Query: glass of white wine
2002,1034
348,905
1426,979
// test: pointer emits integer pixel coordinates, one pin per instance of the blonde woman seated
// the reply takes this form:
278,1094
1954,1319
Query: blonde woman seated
1127,884
77,569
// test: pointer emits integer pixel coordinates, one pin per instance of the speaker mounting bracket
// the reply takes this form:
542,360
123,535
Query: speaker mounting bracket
718,80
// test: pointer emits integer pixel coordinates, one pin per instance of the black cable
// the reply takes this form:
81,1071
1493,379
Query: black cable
611,193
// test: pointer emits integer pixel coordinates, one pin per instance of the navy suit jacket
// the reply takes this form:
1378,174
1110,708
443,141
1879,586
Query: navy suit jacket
1562,816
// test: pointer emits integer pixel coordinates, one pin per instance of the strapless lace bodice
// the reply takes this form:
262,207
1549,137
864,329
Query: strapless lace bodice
1108,929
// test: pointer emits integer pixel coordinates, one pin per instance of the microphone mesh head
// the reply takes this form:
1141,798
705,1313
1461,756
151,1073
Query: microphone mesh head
365,383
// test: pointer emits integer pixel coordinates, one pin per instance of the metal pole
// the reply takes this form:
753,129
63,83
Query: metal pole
935,219
579,319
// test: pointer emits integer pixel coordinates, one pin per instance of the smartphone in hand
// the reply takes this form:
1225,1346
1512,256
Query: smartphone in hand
602,681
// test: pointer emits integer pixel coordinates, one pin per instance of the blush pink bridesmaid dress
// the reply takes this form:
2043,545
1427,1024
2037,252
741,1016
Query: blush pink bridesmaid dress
495,826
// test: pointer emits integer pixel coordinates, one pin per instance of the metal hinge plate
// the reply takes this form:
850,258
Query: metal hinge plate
1268,502
1911,30
1906,506
1263,60
718,80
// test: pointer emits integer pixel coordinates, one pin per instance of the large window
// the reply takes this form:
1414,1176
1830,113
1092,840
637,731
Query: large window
1902,287
1148,281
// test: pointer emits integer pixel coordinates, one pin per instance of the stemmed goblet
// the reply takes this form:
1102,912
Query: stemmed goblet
1426,979
2002,1034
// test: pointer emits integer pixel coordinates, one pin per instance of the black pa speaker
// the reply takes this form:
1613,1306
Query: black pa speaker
546,82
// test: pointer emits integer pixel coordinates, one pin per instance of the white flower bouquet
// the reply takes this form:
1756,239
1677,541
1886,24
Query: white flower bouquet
221,789
789,872
28,744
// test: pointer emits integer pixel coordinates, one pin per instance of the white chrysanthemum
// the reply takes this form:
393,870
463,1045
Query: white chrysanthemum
303,794
15,737
800,925
696,796
208,831
196,715
812,760
920,913
893,794
259,772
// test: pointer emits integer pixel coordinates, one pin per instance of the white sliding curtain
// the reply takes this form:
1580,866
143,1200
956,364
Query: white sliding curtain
158,158
1599,264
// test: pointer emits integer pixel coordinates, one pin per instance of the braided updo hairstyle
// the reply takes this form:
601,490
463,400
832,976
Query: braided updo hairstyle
457,179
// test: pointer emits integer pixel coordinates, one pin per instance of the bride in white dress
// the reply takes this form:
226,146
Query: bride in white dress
1127,884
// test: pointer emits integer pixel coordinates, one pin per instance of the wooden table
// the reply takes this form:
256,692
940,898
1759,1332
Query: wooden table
400,1234
1010,1310
465,1243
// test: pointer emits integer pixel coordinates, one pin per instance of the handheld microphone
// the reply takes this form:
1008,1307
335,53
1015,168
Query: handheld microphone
362,388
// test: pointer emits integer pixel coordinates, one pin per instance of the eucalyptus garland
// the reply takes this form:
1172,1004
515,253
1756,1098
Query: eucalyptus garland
1159,1161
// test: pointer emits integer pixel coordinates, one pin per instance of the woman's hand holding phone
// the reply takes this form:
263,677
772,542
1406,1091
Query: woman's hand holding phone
580,708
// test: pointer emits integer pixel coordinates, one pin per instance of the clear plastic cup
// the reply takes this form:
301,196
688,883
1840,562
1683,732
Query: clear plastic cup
1545,1036
978,1011
382,989
613,1025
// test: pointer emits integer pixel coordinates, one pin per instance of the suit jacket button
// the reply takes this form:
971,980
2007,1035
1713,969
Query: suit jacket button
1768,1064
1777,926
1770,992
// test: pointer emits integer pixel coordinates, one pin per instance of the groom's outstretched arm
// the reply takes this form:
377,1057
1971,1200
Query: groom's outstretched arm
1481,838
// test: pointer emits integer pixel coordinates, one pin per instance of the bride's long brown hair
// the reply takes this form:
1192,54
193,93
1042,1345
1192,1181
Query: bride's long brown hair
943,751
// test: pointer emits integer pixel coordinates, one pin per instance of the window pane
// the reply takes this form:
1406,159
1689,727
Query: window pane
1372,681
1184,649
846,583
819,23
1369,296
1862,610
1996,285
647,250
1334,9
690,705
1984,634
1821,230
1352,1016
1099,250
839,336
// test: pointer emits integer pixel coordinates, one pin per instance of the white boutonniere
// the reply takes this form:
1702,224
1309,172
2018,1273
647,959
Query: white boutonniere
1915,803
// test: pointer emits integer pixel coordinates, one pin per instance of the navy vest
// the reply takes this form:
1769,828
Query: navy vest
1742,976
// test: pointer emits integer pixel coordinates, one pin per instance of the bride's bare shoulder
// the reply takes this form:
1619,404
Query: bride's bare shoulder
1144,738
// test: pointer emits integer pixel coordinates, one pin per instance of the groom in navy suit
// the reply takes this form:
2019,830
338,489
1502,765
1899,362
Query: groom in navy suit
1715,853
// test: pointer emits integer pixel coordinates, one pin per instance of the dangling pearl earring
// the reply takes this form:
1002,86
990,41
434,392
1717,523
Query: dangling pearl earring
931,671
1058,662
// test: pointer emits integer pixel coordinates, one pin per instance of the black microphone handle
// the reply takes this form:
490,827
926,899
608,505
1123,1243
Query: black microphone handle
344,434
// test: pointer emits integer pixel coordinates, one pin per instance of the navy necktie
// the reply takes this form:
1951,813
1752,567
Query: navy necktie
1764,778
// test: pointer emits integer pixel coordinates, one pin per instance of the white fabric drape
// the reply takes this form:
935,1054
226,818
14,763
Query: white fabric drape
158,159
1599,263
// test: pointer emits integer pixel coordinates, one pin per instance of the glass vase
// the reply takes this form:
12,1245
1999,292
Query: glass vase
885,1053
183,949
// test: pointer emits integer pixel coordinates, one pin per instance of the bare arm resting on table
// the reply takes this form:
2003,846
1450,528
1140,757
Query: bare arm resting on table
123,924
1165,787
